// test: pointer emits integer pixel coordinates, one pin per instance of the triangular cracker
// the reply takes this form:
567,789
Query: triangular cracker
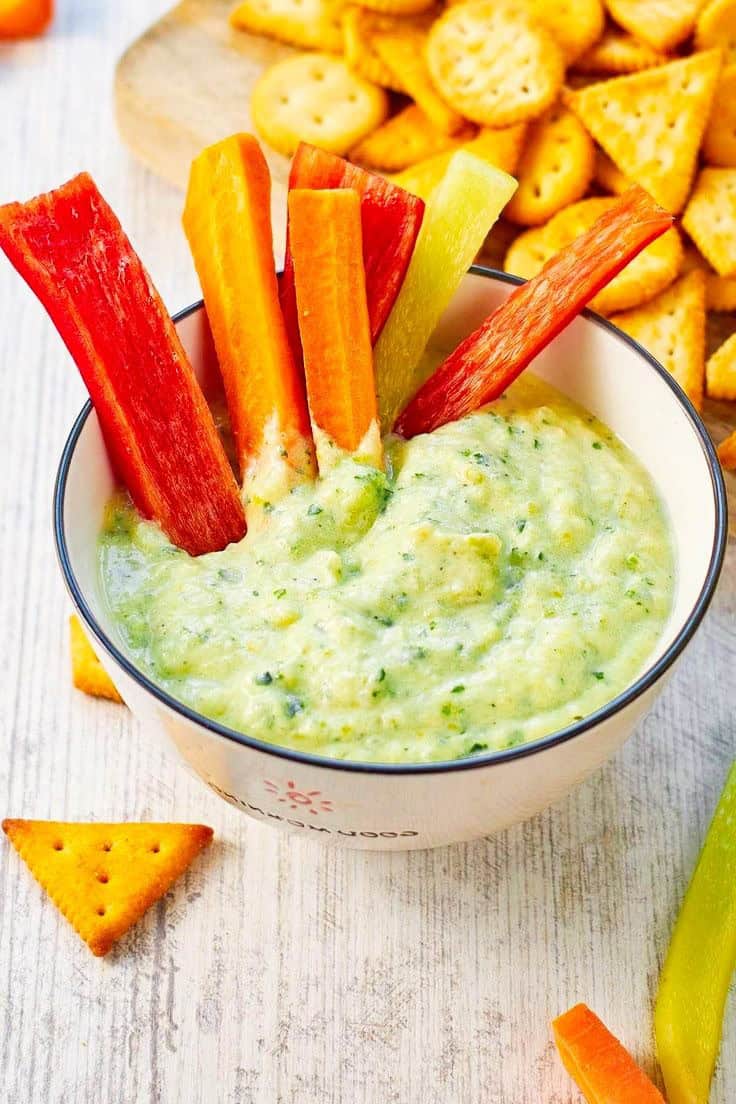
719,140
710,218
103,877
720,371
312,24
720,291
651,123
672,328
661,23
88,674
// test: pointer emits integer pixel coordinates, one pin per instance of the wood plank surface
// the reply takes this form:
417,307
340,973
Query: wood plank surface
277,972
186,83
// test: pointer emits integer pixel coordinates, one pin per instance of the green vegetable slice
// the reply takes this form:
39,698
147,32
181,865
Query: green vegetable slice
688,1018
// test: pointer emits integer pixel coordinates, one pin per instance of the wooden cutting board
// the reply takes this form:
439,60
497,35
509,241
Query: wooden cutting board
185,84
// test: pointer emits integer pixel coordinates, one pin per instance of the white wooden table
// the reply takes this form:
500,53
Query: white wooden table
276,971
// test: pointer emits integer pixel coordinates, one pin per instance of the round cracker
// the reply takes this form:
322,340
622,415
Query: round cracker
315,98
719,140
651,272
555,170
492,65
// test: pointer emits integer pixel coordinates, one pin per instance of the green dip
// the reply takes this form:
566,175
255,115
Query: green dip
508,574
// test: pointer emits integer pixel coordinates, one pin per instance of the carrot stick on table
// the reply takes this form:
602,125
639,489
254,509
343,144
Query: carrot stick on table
491,358
326,246
162,440
227,219
604,1070
24,18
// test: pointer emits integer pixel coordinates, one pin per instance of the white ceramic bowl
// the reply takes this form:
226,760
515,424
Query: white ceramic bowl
392,807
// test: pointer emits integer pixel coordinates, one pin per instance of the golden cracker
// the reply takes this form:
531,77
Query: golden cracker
403,52
607,176
720,291
88,674
663,24
404,140
647,275
358,25
397,7
617,53
103,877
727,452
315,98
710,218
501,148
312,24
492,64
555,169
719,140
574,24
672,328
716,26
651,123
720,371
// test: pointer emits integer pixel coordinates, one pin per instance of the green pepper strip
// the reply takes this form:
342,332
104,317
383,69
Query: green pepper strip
688,1018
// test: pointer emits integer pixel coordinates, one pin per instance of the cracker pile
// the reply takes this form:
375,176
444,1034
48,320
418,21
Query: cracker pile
578,99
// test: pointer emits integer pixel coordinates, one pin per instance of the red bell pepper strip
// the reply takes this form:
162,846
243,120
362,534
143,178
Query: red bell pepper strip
71,250
391,218
491,358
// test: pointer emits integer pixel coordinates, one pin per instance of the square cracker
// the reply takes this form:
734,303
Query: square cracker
650,124
720,371
710,218
661,23
672,328
311,24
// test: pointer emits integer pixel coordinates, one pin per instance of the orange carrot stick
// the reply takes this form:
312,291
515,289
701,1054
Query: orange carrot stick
327,250
227,219
24,18
603,1069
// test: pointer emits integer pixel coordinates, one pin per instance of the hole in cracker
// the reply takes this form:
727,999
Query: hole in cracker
317,120
107,846
101,910
58,845
103,877
156,848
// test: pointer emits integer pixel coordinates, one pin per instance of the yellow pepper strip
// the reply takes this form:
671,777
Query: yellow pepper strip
688,1018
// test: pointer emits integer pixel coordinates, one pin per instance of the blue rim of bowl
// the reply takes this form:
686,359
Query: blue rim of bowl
503,755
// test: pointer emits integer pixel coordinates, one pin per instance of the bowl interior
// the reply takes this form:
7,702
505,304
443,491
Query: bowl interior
590,361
